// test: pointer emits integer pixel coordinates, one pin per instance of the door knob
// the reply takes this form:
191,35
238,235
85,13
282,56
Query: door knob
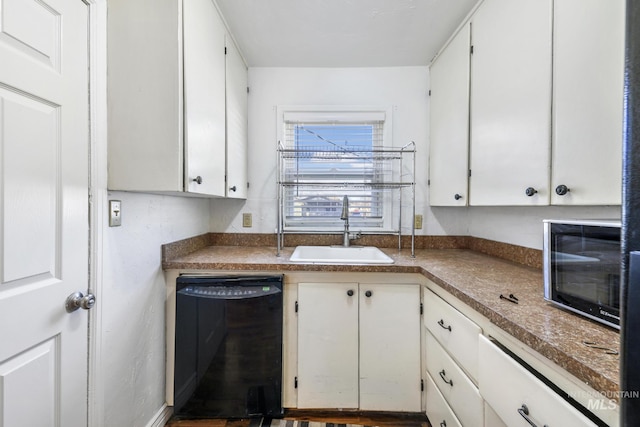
78,300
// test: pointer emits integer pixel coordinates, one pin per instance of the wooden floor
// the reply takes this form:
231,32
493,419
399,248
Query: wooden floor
364,418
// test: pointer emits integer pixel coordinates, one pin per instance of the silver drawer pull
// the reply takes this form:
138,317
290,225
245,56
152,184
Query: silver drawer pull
441,323
442,375
524,412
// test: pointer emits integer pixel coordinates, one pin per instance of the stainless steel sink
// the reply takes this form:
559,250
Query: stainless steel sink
340,255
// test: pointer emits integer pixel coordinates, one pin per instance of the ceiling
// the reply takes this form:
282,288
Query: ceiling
342,33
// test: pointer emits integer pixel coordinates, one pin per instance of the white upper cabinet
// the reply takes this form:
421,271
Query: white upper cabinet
588,72
449,110
167,95
511,103
204,98
236,123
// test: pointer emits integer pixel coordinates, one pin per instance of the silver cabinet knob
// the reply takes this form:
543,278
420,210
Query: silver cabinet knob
78,300
457,197
197,179
562,190
530,191
232,188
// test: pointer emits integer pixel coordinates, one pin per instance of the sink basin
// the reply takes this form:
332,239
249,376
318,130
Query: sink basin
340,255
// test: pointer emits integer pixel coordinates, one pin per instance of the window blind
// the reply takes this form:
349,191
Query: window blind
330,158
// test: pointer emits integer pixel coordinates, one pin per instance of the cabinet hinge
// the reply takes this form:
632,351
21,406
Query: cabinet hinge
225,50
296,306
295,382
469,173
421,385
429,92
428,182
247,89
472,49
421,308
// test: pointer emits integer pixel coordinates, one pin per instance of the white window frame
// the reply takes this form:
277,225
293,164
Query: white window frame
337,114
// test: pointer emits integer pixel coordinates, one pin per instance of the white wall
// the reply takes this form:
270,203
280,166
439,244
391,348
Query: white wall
405,89
133,301
523,225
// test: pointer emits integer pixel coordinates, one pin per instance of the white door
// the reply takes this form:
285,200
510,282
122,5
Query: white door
237,131
449,148
390,348
43,212
510,103
588,72
204,103
328,345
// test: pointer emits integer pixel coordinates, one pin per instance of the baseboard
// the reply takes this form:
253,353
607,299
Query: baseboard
161,417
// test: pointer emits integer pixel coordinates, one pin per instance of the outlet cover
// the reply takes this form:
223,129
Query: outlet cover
115,213
246,220
418,222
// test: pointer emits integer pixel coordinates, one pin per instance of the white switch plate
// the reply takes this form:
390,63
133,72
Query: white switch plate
115,213
246,220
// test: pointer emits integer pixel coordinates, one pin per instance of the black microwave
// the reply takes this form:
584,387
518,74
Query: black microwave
581,261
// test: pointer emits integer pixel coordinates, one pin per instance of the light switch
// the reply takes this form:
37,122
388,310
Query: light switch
115,213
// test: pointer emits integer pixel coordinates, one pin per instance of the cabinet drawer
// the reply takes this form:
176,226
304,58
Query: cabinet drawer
455,332
438,411
457,389
509,388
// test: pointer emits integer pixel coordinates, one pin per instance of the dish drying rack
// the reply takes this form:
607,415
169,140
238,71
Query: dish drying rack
393,168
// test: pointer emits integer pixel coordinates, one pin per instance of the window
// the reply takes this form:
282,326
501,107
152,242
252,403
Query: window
330,155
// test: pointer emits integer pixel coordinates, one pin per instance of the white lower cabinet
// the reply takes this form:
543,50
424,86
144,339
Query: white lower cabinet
438,411
359,346
517,396
454,331
327,345
458,390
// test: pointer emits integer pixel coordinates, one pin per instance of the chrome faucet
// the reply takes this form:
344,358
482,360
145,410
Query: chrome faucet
345,218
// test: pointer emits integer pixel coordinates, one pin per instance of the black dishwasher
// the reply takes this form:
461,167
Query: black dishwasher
228,347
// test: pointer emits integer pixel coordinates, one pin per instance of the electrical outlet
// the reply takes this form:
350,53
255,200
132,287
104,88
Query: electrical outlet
246,220
115,213
418,222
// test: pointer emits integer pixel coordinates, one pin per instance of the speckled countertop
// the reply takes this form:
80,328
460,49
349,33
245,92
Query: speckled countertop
474,278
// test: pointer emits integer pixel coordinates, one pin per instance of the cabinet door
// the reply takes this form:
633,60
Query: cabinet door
204,98
236,123
449,123
390,347
327,345
510,102
588,40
